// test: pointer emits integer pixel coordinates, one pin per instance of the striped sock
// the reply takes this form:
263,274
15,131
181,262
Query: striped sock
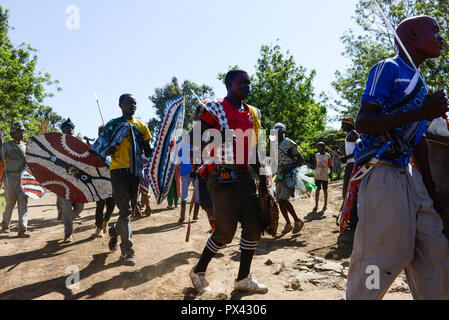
248,245
209,252
214,246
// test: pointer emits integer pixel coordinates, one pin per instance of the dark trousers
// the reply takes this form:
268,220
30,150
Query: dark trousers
125,188
99,217
232,204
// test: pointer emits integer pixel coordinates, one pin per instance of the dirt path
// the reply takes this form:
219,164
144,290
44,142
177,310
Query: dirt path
37,268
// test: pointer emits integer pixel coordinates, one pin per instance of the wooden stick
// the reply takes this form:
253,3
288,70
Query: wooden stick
190,214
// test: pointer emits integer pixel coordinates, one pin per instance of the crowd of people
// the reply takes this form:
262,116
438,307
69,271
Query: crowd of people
398,225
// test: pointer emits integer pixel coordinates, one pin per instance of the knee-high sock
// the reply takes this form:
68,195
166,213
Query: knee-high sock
247,249
209,252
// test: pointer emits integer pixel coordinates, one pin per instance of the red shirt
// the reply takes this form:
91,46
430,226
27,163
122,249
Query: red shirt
237,120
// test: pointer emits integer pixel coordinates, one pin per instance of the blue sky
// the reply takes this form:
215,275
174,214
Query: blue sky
136,45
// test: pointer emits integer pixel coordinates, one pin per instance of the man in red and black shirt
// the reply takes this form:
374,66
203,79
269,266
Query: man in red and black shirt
232,188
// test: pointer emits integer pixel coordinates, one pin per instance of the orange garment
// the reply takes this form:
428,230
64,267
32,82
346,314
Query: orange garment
178,181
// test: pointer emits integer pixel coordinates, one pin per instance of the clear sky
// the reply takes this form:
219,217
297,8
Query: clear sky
136,46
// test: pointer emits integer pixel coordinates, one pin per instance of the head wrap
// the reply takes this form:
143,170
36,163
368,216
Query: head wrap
17,126
280,127
68,123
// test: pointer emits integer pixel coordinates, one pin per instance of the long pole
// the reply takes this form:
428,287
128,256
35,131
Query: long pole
3,158
398,39
99,109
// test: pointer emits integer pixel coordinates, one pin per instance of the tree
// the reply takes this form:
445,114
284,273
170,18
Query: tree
172,90
284,93
377,43
22,88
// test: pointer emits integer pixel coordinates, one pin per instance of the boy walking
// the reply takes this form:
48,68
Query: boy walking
323,162
124,139
13,154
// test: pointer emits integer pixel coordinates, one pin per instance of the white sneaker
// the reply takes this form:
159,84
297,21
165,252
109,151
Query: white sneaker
69,239
99,233
199,281
250,284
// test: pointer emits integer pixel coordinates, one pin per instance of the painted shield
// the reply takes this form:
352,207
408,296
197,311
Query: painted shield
161,167
64,165
30,186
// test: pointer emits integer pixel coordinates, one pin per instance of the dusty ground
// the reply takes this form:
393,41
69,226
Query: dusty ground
37,268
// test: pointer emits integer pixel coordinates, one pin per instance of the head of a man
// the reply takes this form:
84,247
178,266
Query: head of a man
421,36
17,131
128,104
321,147
347,124
238,84
68,127
280,128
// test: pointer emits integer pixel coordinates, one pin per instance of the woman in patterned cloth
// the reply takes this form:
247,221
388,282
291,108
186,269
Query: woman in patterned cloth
289,159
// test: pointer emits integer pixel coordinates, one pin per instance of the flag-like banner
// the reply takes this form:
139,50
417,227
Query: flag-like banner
162,165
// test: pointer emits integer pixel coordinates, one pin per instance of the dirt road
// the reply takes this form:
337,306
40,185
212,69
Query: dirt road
312,265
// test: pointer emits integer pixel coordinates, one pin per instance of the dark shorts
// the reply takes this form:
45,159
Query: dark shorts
234,204
205,199
320,184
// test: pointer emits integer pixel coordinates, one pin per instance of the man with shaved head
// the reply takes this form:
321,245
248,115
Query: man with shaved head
399,227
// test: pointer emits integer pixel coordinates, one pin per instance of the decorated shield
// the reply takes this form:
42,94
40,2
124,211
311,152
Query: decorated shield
63,165
30,186
162,164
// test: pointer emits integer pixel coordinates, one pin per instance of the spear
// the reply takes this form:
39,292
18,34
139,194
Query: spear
99,109
189,227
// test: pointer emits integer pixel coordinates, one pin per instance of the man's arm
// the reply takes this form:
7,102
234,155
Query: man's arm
346,158
369,120
147,148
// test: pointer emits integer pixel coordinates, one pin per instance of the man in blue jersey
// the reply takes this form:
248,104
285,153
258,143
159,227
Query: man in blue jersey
399,227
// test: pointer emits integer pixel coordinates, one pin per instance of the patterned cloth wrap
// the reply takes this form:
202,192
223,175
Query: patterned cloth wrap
225,153
405,138
113,135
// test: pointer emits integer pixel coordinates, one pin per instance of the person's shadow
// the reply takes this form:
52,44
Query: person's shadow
124,280
315,215
39,289
50,250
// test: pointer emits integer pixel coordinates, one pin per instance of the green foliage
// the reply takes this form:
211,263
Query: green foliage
284,93
173,90
22,88
331,137
378,43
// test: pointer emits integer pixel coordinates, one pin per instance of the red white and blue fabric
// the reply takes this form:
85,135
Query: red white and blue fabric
161,169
